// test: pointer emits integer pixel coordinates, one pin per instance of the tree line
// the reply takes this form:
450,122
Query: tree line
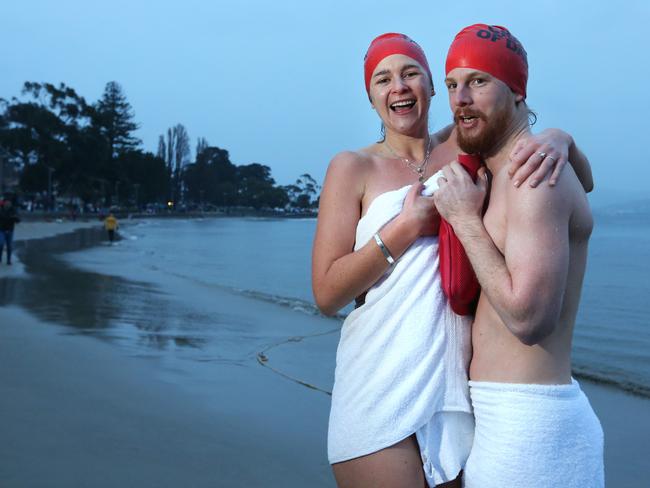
58,147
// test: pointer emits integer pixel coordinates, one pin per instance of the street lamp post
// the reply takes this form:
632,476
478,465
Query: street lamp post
2,173
50,170
137,191
117,192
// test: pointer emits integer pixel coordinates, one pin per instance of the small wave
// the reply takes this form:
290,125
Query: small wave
263,360
626,385
295,304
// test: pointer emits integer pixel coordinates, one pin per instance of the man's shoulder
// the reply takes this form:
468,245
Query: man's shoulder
545,201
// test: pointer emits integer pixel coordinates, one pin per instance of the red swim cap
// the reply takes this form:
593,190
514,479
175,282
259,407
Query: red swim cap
388,44
490,48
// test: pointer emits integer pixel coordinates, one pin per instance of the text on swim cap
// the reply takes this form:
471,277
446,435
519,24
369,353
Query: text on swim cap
495,33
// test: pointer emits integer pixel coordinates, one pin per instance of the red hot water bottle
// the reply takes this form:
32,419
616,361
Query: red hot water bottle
459,282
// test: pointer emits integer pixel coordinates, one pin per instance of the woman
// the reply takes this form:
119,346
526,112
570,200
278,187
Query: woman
401,415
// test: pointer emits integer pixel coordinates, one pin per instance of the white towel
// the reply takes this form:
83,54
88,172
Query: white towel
403,355
534,436
431,185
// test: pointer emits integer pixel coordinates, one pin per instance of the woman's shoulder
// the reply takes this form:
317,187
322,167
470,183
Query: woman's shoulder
365,157
359,157
355,163
352,170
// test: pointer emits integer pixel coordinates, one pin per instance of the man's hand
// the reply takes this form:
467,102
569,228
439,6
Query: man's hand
458,198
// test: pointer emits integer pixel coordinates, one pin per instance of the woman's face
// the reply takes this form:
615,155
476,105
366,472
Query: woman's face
400,92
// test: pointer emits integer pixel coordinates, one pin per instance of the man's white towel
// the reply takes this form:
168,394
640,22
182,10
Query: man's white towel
534,436
403,355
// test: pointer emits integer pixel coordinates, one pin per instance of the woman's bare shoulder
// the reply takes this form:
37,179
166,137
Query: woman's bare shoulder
354,166
360,157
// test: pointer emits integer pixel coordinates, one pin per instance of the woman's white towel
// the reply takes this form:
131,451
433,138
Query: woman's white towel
403,355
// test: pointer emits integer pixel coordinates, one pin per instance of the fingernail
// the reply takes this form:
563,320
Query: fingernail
517,183
533,182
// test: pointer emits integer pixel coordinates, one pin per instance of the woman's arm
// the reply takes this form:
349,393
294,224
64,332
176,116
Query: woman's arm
527,165
443,134
339,274
559,148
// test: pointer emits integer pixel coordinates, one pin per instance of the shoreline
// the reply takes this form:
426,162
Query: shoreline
51,217
96,405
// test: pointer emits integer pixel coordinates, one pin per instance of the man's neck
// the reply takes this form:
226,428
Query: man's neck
519,128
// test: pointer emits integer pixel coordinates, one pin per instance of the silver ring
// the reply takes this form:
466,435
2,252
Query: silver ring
551,157
542,154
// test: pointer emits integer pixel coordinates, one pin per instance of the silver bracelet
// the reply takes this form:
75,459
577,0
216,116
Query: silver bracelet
384,250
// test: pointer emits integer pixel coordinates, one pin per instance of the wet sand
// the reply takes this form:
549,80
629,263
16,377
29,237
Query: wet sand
79,411
76,412
78,408
38,230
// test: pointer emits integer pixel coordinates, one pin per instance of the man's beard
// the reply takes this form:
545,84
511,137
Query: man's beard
486,142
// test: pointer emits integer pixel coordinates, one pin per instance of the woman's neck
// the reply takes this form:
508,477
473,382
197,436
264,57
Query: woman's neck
412,147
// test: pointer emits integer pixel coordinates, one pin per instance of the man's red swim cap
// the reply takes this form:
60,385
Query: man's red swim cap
388,44
490,48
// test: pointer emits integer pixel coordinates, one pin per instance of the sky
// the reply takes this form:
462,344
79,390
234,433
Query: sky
281,82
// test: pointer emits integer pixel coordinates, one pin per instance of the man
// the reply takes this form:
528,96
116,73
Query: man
8,220
111,225
534,426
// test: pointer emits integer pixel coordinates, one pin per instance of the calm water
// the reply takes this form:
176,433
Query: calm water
269,260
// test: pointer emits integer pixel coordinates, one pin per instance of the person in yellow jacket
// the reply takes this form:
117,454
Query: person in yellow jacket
111,225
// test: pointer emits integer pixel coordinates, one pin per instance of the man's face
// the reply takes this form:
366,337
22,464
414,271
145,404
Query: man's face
483,109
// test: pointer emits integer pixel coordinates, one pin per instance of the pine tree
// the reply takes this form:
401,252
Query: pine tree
115,120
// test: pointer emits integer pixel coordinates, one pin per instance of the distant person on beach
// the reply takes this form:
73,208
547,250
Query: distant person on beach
111,225
8,220
534,426
401,413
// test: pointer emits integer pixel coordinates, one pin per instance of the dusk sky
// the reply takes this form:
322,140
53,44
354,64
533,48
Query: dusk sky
281,83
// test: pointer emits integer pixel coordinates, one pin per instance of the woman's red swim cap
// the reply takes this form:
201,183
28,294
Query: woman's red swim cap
388,44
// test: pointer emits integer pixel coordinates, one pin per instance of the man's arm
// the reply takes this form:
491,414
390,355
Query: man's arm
526,285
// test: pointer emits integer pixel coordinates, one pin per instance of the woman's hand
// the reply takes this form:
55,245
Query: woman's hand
419,212
535,156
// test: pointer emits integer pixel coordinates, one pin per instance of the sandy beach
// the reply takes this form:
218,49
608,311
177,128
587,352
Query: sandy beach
77,410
